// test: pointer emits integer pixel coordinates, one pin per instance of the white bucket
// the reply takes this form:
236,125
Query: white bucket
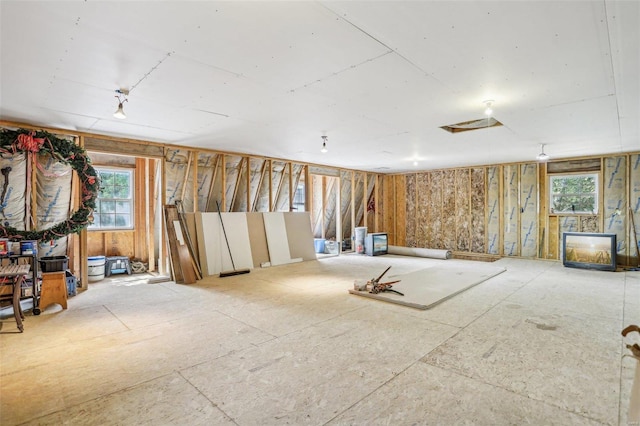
96,267
360,235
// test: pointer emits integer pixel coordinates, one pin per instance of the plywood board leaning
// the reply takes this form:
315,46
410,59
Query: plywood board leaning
299,236
171,215
426,288
277,241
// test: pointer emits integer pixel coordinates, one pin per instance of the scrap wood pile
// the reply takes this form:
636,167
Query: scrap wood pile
374,285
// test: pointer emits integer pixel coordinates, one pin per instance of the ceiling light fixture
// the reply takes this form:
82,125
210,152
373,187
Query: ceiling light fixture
488,111
542,156
121,95
324,145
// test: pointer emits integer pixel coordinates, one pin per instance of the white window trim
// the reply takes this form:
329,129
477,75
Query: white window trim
596,194
132,199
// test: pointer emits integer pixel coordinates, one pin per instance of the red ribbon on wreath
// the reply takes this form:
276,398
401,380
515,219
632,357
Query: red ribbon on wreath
27,142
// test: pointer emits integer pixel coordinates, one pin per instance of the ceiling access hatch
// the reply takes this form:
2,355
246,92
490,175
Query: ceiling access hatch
465,126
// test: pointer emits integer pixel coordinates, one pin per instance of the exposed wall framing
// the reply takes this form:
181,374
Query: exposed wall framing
503,209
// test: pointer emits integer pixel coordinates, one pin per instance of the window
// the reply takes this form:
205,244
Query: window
574,193
114,207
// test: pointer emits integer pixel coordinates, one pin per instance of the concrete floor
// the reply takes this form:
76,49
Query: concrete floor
539,344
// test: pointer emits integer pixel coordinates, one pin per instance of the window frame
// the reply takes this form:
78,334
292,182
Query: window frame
595,194
131,199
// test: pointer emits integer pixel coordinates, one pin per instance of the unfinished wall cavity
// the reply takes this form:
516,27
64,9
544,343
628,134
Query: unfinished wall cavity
463,209
615,200
478,191
493,210
346,205
511,212
176,168
424,210
207,163
528,210
434,229
359,197
410,198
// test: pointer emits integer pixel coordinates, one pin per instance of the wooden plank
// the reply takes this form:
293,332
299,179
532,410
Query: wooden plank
171,215
186,267
123,147
543,210
151,212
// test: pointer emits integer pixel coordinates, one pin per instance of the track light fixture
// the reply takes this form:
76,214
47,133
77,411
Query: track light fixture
121,95
324,145
542,156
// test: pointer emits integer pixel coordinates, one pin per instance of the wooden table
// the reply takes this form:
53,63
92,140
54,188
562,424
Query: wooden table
15,274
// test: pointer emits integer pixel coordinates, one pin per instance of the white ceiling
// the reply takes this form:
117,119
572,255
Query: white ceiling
378,78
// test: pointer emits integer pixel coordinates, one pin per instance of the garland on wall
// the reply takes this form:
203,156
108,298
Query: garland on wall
28,141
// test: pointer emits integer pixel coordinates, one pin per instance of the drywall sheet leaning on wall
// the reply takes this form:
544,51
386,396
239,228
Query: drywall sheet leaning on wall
298,225
493,210
214,254
528,210
420,252
615,200
277,240
257,239
426,288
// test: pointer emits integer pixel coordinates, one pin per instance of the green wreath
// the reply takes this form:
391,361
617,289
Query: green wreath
22,140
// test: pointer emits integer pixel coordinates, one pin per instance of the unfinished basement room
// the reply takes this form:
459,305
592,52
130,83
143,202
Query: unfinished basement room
306,212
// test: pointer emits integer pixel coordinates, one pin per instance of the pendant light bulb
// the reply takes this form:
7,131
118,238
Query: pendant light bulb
324,145
488,110
542,156
120,112
121,96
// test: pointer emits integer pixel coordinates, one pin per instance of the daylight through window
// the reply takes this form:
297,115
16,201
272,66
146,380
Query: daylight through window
114,208
574,193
